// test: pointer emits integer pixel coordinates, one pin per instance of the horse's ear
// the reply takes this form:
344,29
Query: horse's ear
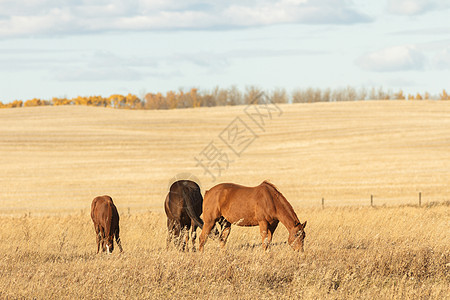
304,225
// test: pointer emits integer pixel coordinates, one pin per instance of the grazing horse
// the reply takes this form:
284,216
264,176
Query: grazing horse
183,206
262,205
106,223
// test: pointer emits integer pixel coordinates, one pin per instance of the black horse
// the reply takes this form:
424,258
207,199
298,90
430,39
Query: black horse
183,208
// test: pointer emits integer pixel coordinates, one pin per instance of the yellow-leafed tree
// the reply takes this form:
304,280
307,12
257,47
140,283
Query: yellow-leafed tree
132,101
35,102
444,95
117,101
172,99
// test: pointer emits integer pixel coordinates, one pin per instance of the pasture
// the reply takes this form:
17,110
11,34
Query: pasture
55,160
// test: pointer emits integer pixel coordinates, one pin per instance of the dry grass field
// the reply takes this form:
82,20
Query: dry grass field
55,160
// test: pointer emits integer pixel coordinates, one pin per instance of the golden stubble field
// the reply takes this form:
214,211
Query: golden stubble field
55,160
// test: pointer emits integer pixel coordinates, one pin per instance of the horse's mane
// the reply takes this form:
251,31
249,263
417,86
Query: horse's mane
272,185
283,201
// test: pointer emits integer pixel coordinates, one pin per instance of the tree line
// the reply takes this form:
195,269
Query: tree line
229,96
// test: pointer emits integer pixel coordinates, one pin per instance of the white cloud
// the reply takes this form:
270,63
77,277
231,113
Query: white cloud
50,17
313,12
415,7
397,58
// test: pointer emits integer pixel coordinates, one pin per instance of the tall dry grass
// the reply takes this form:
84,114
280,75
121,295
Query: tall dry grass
364,253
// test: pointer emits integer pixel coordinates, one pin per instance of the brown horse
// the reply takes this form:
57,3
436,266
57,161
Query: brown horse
262,205
183,206
106,223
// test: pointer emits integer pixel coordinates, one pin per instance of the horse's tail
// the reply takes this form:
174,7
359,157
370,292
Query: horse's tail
192,197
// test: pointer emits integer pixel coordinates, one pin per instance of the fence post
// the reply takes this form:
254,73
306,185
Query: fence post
420,199
371,200
323,203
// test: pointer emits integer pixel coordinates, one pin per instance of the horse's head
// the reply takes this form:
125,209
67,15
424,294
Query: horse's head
297,237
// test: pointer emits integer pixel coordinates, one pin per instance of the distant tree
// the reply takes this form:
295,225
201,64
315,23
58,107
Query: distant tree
309,94
17,103
80,100
350,94
399,95
220,96
100,101
278,96
35,102
61,101
195,97
96,101
410,97
106,102
253,95
389,95
216,97
426,96
382,95
418,96
172,99
207,99
444,95
155,101
234,96
91,100
117,101
298,96
373,94
132,101
362,94
338,95
13,104
317,95
326,95
182,99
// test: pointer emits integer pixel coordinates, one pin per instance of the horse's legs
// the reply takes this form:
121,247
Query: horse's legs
271,228
185,234
97,236
193,234
183,237
225,232
207,226
176,232
103,238
215,232
263,229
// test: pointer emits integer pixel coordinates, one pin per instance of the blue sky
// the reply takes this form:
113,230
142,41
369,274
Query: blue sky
51,48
